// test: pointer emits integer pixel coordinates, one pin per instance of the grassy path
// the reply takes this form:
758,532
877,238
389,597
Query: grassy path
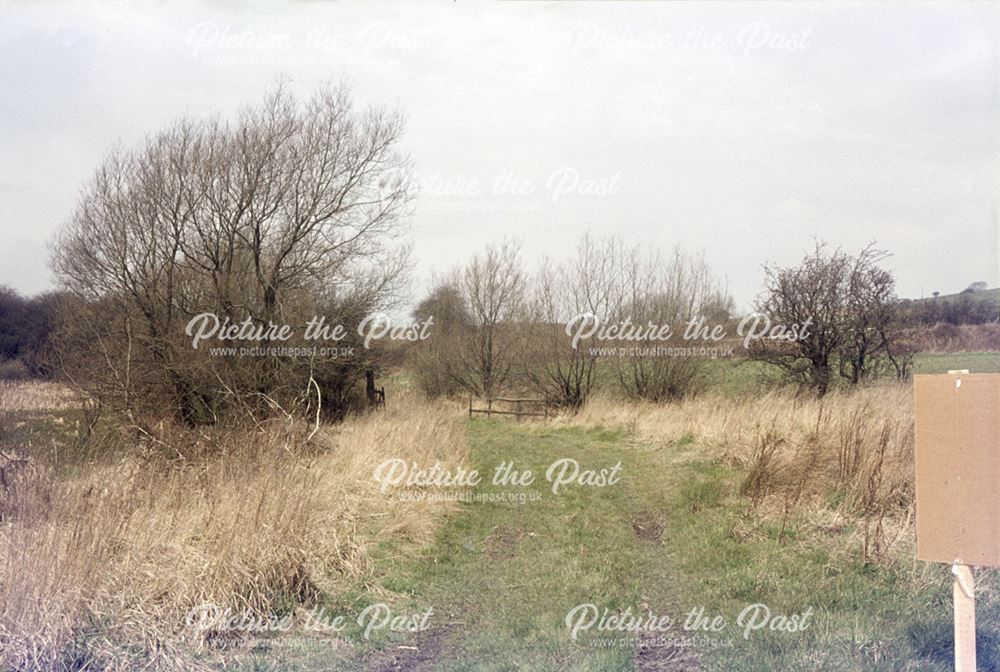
503,575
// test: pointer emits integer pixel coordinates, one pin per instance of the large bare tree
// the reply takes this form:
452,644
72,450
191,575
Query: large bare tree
292,208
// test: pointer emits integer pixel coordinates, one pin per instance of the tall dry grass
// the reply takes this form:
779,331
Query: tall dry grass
36,395
944,337
850,453
101,571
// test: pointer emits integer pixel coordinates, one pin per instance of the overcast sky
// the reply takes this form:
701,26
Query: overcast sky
740,129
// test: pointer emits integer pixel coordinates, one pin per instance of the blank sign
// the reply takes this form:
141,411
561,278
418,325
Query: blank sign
958,467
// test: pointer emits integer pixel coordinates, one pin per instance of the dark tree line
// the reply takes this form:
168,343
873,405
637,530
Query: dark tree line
968,307
25,326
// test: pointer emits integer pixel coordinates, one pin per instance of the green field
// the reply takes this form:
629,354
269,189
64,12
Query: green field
740,376
671,537
975,362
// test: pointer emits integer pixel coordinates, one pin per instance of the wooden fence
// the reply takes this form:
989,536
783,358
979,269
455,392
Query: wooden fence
519,408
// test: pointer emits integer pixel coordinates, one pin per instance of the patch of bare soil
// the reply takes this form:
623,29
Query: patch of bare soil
423,653
660,652
648,526
654,656
502,543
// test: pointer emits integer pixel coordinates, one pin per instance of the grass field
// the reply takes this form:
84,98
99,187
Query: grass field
740,376
723,502
975,362
736,376
672,537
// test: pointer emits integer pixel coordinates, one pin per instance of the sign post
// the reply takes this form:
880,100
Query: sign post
965,618
958,486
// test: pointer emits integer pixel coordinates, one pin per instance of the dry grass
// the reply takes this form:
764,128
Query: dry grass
101,572
36,396
944,337
98,571
851,450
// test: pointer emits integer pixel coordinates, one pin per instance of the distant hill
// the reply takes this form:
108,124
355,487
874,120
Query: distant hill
967,307
981,295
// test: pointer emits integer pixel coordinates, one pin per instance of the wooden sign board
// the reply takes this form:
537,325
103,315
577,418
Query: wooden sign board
958,467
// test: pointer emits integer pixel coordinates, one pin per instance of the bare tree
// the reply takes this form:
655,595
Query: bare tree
811,293
585,285
438,362
872,345
667,292
492,286
848,303
289,208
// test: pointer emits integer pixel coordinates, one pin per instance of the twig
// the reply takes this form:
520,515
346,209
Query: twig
319,406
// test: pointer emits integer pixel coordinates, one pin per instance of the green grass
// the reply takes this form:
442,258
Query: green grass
975,362
735,376
864,616
671,537
738,376
504,575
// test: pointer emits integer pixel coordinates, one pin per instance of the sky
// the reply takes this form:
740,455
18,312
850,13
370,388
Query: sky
741,130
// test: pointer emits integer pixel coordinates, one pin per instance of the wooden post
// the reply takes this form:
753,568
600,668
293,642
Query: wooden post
965,618
370,391
489,407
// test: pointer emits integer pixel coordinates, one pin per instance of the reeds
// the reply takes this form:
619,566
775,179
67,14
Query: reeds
101,572
851,450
